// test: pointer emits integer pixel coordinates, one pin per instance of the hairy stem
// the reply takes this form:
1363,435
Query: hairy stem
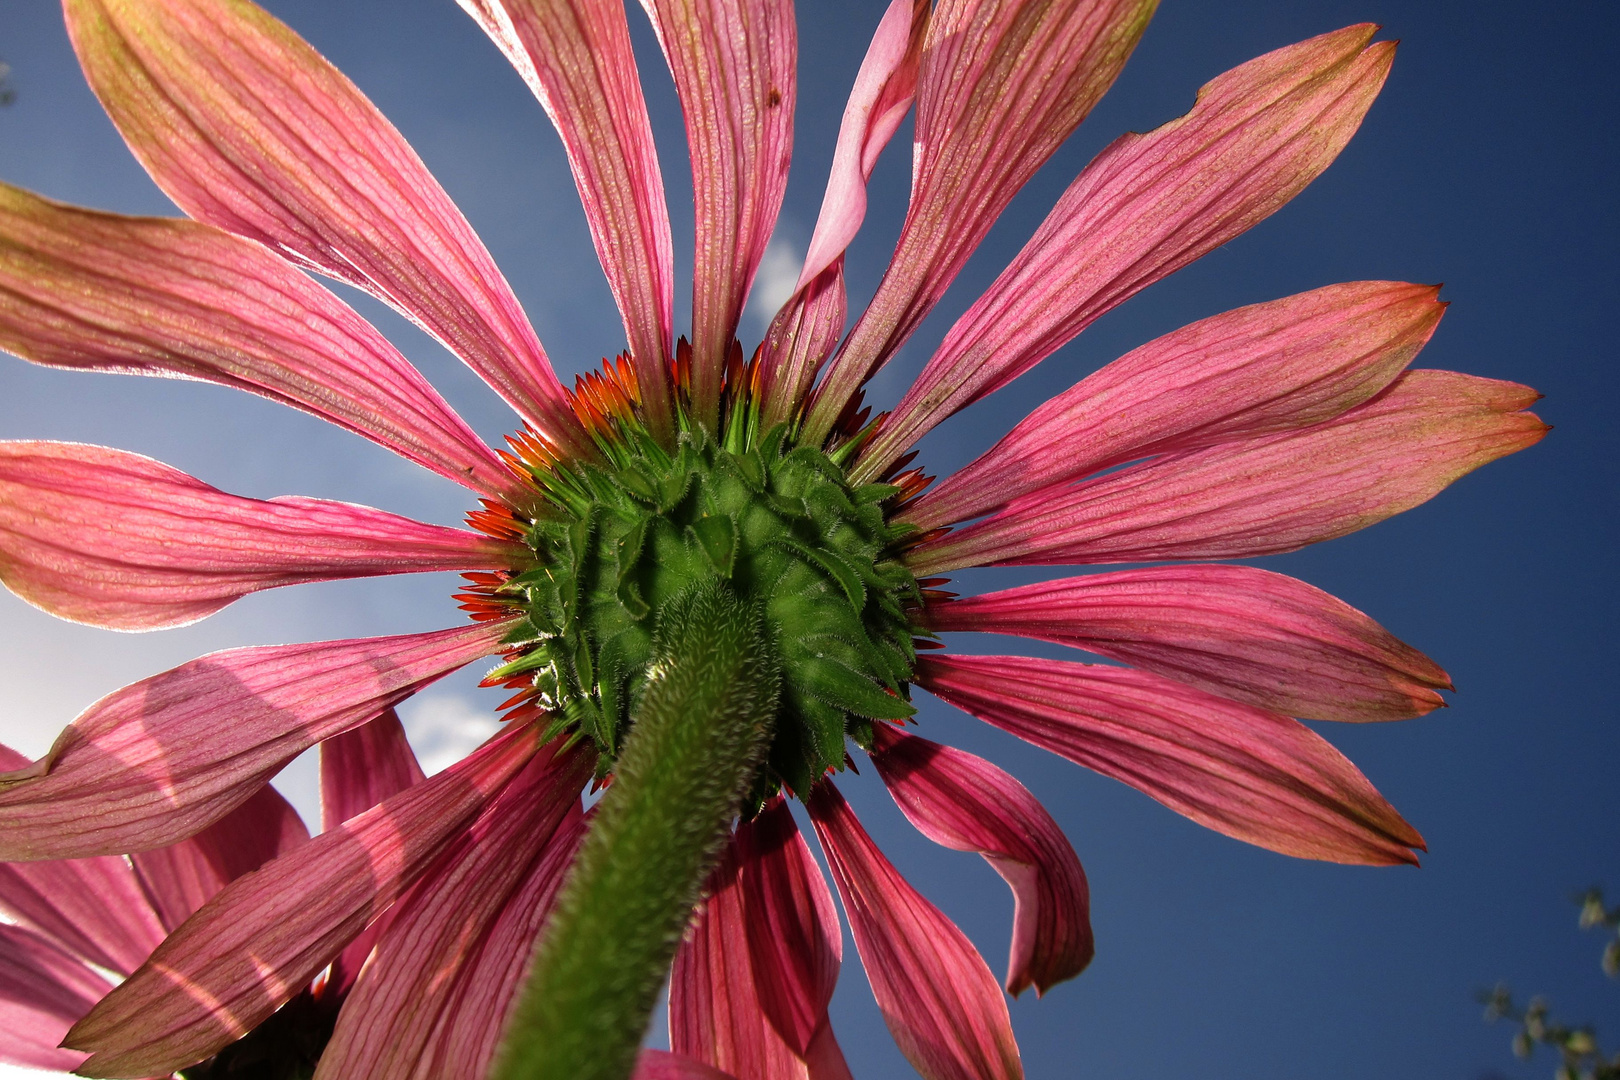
699,735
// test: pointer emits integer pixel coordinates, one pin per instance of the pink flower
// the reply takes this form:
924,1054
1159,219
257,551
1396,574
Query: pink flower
1252,432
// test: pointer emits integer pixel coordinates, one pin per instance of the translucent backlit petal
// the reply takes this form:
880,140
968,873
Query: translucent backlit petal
941,1003
162,759
160,296
1238,631
43,990
1267,367
734,63
811,322
662,1065
260,941
577,59
1002,84
248,128
1251,774
966,803
118,540
1147,206
1265,495
392,1023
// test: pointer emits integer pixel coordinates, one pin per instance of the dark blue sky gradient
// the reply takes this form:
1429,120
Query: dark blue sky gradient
1489,163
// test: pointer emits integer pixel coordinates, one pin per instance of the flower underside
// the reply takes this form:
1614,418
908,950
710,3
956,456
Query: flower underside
618,540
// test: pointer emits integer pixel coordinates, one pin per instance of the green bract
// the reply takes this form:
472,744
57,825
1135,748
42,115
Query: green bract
782,525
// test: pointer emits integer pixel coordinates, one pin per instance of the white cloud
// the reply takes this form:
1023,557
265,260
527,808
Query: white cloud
444,728
778,273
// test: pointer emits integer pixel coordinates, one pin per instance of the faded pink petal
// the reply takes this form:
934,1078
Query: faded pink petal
941,1003
261,940
1002,84
715,1012
1251,774
1147,206
159,296
1237,631
1265,495
359,769
795,943
662,1065
391,1022
966,803
734,67
247,127
183,877
94,908
1268,367
804,332
363,766
118,540
576,57
43,990
162,759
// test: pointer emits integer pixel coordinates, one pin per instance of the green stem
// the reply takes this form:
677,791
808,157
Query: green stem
699,735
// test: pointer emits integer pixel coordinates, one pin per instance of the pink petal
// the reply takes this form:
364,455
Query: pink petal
1265,495
966,803
734,67
157,296
392,1022
1149,205
810,323
1237,631
43,990
577,59
359,769
166,757
363,766
246,127
94,908
715,1012
795,943
1250,774
183,877
1002,84
115,539
941,1003
1268,367
261,940
662,1065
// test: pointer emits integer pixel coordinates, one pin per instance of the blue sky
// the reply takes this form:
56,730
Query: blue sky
1489,163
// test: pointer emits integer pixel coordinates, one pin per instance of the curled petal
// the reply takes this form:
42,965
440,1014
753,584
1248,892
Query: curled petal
807,328
1268,367
164,758
247,127
1250,774
734,63
1238,631
1001,85
94,908
795,943
577,59
1147,206
1265,495
966,803
183,877
261,940
43,990
941,1003
158,296
393,1023
115,539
